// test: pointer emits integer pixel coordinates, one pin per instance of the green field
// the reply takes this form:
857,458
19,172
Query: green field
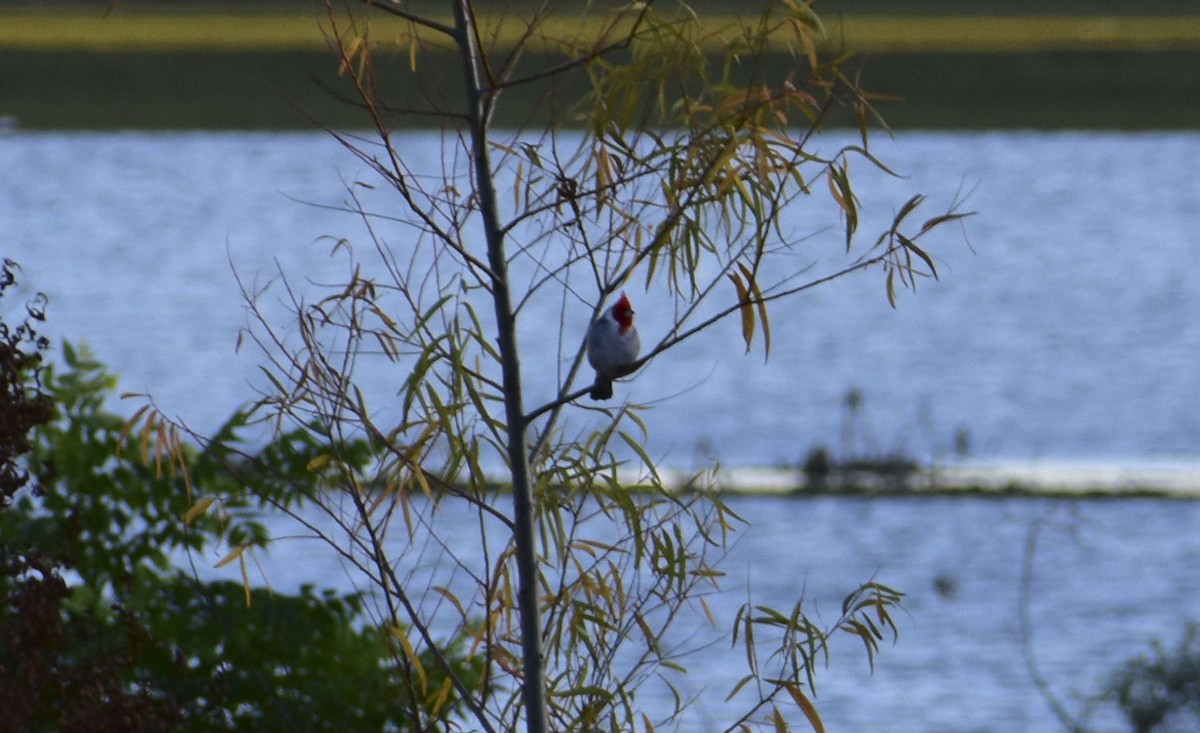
49,30
177,67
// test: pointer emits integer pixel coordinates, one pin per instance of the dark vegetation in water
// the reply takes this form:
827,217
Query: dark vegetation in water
1161,692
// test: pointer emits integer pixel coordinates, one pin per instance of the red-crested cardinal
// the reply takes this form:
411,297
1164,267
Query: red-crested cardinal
612,347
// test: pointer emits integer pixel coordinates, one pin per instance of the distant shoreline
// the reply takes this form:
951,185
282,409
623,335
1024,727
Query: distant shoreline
1169,479
166,68
299,90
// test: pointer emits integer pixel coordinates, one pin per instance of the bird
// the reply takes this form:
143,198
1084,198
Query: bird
612,347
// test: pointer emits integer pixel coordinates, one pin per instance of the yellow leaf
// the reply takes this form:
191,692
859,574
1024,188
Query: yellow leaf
746,310
233,555
181,460
443,694
198,509
319,462
245,578
445,593
351,50
160,447
411,655
129,425
144,439
761,305
387,320
781,725
806,706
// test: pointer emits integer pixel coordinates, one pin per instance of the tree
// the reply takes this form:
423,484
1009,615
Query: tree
99,627
693,139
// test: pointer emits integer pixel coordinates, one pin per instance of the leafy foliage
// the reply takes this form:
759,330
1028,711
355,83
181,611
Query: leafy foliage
56,670
23,404
101,625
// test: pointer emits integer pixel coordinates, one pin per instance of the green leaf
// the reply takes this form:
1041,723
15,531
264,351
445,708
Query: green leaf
641,452
912,247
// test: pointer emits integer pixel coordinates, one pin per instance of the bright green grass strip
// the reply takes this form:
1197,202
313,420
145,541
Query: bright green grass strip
60,31
79,32
1019,34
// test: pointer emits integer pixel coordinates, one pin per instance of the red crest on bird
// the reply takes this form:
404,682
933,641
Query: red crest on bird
623,313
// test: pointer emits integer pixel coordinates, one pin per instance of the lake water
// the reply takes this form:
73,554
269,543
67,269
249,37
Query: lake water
1063,328
1109,576
1066,330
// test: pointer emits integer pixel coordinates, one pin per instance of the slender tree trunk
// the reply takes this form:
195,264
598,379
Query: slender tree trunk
533,690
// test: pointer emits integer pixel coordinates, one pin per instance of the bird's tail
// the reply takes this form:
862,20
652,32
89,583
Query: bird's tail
602,389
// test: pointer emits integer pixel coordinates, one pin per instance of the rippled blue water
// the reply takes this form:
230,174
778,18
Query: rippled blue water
1063,326
1066,329
1109,576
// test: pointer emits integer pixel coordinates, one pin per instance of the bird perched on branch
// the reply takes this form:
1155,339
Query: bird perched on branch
612,347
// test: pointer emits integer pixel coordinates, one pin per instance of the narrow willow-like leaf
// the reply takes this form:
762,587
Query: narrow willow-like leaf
745,309
869,643
278,385
233,554
864,153
641,453
751,654
349,53
388,346
777,718
387,320
161,448
585,691
761,304
198,509
912,247
772,617
144,438
738,687
130,424
438,703
908,207
181,461
241,558
939,220
806,707
411,655
843,195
